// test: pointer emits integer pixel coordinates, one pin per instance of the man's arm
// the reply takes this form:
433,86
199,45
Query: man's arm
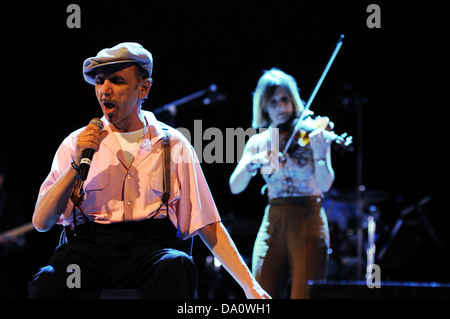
53,203
216,237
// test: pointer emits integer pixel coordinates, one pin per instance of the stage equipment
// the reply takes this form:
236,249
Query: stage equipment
18,231
210,94
388,290
394,257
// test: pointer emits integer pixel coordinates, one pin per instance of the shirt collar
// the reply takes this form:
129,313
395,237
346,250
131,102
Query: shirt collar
154,127
154,132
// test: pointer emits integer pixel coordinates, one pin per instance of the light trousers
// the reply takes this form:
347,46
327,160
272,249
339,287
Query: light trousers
292,244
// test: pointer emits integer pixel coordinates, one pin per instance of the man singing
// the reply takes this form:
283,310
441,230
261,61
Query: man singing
127,231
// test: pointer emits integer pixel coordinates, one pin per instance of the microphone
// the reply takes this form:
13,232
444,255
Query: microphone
86,157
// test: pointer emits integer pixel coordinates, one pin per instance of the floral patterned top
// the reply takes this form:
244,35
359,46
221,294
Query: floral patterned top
293,177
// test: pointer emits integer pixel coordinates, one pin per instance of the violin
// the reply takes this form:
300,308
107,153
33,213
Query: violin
308,125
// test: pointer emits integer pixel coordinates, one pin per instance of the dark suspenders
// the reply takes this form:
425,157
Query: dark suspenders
166,169
166,181
166,178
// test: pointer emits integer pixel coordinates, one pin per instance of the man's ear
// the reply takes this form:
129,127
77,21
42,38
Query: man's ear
145,88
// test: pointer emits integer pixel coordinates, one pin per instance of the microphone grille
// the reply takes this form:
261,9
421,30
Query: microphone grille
97,122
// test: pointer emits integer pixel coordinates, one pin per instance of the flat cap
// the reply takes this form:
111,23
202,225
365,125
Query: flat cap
121,53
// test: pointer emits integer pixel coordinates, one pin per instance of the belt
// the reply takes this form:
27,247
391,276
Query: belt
299,200
151,230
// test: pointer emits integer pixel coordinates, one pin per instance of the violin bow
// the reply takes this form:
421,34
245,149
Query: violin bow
313,94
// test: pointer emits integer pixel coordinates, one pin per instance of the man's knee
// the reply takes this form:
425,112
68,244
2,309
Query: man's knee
177,260
174,275
55,282
43,284
173,254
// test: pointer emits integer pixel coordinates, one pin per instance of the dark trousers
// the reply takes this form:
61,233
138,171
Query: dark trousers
144,255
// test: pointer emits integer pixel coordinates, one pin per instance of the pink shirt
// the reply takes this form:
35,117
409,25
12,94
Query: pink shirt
116,191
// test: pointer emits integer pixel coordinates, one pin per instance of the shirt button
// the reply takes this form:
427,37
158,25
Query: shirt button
129,203
128,176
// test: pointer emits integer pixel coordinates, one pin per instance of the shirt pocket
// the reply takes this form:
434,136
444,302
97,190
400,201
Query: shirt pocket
156,184
98,182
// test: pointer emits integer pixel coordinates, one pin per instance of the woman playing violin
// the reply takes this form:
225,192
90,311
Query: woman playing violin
293,239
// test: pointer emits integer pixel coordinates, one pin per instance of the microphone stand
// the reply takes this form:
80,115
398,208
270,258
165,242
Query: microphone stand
359,193
359,103
172,107
356,102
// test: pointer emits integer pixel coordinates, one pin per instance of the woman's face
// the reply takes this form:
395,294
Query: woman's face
279,107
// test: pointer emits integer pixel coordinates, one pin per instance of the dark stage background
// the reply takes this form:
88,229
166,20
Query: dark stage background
394,68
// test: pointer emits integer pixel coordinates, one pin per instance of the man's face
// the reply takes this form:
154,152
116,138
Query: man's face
119,92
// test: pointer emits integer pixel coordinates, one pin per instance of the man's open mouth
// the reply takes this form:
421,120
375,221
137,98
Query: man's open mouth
109,105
